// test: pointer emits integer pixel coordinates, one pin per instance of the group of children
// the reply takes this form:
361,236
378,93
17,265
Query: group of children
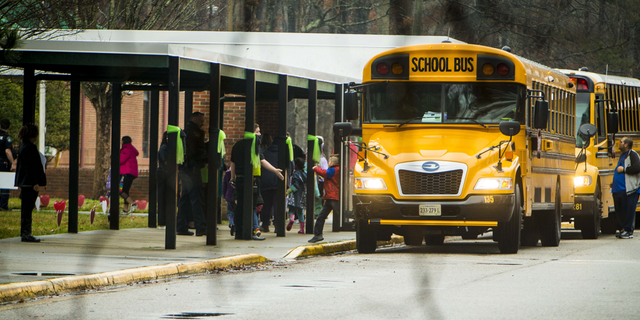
296,195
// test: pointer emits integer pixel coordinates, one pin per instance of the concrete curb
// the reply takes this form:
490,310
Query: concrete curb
25,290
333,247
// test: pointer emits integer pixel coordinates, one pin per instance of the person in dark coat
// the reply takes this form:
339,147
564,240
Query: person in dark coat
192,197
269,184
161,177
30,177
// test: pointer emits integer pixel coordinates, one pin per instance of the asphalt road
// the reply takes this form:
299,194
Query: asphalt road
580,279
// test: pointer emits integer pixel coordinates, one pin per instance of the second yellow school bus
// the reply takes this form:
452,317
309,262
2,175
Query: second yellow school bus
611,105
461,140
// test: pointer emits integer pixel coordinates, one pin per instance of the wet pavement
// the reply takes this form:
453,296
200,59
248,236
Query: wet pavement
111,250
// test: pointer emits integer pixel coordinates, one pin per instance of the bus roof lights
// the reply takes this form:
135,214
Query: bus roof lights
583,84
503,69
487,69
397,68
382,68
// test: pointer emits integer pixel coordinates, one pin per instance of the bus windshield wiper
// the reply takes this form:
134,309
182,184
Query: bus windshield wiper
414,118
472,119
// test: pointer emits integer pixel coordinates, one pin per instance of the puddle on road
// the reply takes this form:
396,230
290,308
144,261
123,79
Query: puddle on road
194,315
43,274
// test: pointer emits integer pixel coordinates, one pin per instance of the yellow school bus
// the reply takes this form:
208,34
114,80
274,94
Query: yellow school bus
461,140
611,106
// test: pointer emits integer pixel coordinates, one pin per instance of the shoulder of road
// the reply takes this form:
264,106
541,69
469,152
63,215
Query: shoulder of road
67,263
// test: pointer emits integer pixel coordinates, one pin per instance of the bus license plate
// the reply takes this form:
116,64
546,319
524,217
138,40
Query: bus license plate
430,210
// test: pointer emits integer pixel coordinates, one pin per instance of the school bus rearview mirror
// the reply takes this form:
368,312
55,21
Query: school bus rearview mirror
612,122
342,129
351,106
540,114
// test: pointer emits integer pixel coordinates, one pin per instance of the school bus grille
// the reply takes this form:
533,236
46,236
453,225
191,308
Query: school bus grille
417,183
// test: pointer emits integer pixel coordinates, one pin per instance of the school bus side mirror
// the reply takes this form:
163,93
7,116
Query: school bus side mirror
540,114
509,128
587,131
351,106
612,122
342,129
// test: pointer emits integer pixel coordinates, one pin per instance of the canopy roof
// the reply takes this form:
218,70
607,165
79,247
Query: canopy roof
143,57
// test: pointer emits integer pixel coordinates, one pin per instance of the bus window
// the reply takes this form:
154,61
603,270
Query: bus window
582,115
448,103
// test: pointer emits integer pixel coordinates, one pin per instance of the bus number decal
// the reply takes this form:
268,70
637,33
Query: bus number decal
488,199
435,64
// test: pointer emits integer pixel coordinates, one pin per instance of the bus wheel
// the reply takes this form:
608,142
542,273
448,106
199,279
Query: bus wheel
365,237
530,232
610,225
551,224
434,239
413,240
590,226
509,232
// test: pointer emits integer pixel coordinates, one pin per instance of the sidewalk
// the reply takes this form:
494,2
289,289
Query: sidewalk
81,256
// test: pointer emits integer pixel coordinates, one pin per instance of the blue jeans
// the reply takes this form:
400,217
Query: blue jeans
626,209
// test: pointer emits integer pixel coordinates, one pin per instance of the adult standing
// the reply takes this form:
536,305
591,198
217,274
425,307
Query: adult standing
192,190
161,178
128,172
269,186
30,177
6,159
626,186
238,170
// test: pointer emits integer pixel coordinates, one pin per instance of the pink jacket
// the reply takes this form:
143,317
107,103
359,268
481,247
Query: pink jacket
128,161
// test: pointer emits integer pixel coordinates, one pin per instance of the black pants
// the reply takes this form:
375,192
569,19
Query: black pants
28,197
161,181
192,196
270,207
626,209
238,216
4,193
327,207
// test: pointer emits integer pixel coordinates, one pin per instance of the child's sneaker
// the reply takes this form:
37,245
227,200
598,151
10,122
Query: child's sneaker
316,238
257,232
290,225
133,207
124,212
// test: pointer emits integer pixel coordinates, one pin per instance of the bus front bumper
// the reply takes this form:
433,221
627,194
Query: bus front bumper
475,210
583,206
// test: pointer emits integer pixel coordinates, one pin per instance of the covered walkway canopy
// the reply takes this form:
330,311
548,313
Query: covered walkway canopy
259,66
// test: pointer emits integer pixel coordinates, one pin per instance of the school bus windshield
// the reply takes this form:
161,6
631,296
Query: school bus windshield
422,102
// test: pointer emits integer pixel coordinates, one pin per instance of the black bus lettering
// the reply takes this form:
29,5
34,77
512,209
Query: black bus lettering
415,65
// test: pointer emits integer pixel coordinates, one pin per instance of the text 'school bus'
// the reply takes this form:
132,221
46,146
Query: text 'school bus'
607,109
463,139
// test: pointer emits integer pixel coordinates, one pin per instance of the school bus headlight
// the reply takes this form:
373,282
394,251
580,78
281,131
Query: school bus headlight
582,181
370,184
494,184
487,69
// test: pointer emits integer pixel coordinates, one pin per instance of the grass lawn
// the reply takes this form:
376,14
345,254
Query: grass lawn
45,221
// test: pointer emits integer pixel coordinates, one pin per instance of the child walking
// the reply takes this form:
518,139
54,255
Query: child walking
297,189
331,195
228,191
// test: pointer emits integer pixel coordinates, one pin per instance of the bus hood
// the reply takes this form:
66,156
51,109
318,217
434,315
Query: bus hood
448,144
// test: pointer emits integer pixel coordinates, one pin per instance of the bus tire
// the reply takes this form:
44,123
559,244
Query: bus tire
413,240
530,232
509,232
590,226
365,237
610,225
551,224
434,239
